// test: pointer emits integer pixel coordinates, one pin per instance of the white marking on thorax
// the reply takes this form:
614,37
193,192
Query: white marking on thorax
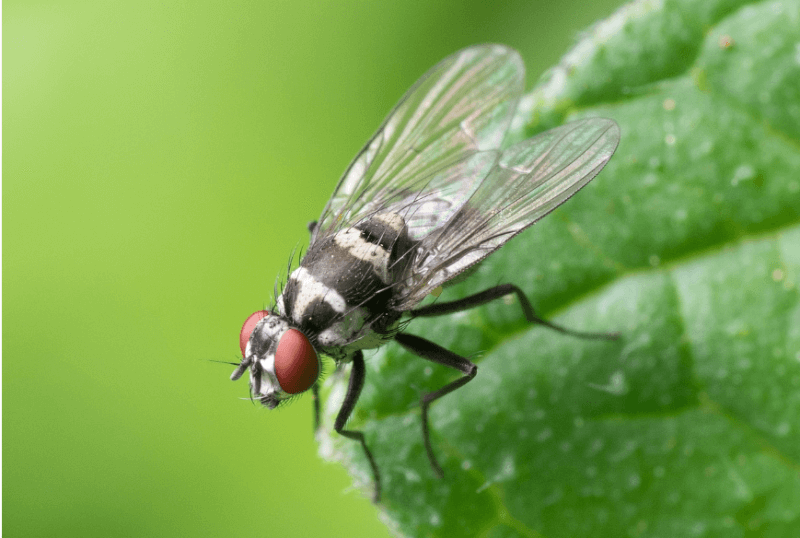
309,289
358,247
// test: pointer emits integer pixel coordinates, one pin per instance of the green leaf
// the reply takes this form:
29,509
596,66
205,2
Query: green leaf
688,244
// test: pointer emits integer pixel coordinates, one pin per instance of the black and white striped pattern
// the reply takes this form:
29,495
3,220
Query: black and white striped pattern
344,284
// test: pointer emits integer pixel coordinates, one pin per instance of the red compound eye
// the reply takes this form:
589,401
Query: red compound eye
296,362
247,329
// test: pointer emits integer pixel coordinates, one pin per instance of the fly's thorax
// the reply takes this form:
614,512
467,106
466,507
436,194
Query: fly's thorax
344,286
309,301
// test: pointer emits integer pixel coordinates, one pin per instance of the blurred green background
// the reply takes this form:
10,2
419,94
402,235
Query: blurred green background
160,162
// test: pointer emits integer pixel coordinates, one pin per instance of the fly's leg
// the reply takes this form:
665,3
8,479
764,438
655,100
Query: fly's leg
357,376
440,309
315,393
434,353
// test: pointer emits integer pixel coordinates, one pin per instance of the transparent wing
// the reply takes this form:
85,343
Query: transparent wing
434,147
529,180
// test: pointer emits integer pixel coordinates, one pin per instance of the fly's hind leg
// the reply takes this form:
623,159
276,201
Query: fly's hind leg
486,296
435,353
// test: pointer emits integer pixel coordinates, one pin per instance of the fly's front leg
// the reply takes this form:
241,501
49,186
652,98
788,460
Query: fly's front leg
315,393
435,353
357,376
486,296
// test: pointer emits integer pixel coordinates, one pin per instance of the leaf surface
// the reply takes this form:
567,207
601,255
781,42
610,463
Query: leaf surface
688,244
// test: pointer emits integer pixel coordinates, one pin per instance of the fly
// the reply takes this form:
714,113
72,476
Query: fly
429,196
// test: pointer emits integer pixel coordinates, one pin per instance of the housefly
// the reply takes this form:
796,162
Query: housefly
430,195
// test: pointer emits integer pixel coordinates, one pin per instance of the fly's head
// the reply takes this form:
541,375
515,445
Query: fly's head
281,359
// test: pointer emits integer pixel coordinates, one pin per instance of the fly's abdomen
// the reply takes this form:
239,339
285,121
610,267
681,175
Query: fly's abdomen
342,292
